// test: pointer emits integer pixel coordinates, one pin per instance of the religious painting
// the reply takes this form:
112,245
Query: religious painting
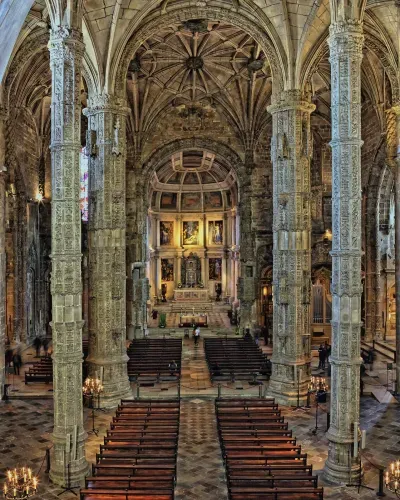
166,233
213,200
215,231
214,269
167,270
168,200
190,233
191,201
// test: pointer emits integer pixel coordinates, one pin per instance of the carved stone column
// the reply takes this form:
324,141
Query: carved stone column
66,53
246,288
345,42
291,151
3,277
396,167
107,246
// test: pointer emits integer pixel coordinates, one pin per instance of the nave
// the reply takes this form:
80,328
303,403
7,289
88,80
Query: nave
26,429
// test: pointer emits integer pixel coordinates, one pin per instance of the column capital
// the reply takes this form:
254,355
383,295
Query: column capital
64,43
346,37
106,103
293,99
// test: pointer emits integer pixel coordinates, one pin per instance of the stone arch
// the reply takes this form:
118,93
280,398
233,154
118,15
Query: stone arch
249,24
227,154
371,42
379,179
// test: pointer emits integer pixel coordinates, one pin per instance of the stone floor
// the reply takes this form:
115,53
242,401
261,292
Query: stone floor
201,473
26,425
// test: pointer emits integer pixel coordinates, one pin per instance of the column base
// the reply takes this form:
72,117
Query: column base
78,470
58,475
110,399
130,332
115,381
340,466
283,385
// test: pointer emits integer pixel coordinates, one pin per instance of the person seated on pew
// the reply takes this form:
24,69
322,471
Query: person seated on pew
172,367
247,334
216,370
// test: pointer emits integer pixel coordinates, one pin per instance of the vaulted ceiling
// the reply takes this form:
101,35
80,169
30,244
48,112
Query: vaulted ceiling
200,61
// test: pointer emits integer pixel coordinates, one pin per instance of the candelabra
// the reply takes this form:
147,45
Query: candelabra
20,484
92,387
318,386
392,478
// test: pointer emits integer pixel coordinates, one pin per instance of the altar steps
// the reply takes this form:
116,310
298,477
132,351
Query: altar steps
196,307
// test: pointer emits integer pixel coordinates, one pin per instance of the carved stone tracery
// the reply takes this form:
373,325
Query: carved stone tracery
292,239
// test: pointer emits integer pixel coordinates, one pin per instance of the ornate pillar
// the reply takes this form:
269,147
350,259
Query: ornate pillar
291,151
66,53
107,246
3,277
246,292
396,167
345,42
203,269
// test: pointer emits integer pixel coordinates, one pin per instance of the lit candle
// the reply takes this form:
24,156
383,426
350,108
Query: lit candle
5,489
392,467
15,492
29,473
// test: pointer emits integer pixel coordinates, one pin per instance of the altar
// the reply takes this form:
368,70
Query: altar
191,295
189,320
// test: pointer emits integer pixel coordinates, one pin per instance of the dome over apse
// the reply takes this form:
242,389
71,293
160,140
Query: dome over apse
193,181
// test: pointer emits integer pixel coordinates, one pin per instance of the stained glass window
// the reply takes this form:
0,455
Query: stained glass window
84,196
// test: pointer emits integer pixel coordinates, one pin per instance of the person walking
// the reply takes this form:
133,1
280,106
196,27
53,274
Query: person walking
45,346
196,336
8,357
17,362
37,343
322,357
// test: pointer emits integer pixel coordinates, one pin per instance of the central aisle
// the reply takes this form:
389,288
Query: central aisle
201,472
195,375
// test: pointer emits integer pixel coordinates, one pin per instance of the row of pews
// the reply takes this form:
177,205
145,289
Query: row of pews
235,358
42,370
262,458
149,359
138,457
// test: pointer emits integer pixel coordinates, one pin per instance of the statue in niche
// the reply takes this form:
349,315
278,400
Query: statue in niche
115,149
191,271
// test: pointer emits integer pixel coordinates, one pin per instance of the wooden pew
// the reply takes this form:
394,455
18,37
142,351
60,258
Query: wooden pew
138,457
262,458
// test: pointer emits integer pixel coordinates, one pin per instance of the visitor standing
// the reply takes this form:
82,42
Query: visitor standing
37,343
45,346
196,336
17,362
322,357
